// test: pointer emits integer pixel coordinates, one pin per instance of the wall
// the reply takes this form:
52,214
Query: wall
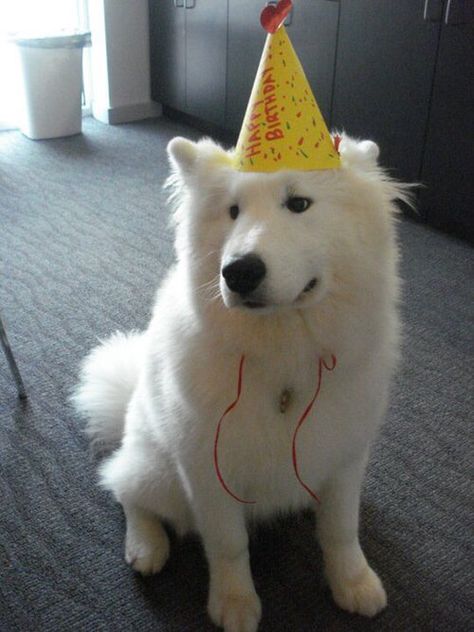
120,61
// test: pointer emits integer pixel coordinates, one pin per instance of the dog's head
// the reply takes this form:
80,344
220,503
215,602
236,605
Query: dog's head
266,241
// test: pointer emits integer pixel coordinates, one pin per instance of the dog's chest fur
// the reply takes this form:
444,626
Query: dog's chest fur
255,447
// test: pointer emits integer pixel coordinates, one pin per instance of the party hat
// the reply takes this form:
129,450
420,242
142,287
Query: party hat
283,126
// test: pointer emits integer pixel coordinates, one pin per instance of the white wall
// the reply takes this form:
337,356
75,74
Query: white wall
100,82
120,60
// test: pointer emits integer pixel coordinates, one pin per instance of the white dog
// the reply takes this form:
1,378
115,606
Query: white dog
278,276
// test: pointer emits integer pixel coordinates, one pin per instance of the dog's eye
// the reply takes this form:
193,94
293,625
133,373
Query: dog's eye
234,211
298,204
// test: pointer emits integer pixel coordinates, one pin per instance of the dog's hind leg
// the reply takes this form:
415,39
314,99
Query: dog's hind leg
146,542
143,481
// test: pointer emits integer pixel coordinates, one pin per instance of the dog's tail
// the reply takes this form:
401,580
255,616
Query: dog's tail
107,379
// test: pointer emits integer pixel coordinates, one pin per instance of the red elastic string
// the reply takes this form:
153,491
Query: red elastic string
321,364
216,438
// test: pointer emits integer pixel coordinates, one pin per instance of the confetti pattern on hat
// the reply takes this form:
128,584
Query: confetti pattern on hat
283,127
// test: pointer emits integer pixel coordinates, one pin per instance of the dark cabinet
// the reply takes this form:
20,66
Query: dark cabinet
312,28
168,52
206,48
447,198
188,43
405,78
384,72
245,44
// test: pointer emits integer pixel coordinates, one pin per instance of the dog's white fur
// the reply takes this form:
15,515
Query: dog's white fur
161,393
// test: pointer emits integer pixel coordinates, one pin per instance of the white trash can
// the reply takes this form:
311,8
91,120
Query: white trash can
51,72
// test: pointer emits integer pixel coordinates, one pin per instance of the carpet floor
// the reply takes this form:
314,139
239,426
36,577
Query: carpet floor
84,241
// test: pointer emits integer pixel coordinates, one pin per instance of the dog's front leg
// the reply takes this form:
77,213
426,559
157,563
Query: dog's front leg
354,585
233,603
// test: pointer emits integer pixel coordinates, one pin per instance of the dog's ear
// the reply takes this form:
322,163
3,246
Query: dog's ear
189,159
362,154
369,150
182,154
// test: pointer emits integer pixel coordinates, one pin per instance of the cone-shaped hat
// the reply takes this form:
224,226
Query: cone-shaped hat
283,127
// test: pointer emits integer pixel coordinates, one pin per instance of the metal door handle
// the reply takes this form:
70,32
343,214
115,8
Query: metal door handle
459,12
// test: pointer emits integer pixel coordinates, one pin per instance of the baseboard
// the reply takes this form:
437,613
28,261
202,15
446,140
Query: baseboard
126,113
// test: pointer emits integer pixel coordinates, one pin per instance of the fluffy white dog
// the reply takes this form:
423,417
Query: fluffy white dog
277,277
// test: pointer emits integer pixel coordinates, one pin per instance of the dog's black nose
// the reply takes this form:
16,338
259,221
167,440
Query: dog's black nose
244,275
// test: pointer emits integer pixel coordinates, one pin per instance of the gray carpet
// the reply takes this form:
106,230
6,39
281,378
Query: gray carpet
84,243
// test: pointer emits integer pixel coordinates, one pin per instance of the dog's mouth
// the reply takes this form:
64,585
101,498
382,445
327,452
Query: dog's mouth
310,286
253,304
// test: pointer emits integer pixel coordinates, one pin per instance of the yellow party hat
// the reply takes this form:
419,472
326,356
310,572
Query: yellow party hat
283,126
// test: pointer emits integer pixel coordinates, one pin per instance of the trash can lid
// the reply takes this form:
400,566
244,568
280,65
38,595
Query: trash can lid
73,40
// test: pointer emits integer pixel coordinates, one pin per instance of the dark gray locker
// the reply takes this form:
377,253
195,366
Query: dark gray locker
244,48
206,47
168,52
188,56
448,165
385,65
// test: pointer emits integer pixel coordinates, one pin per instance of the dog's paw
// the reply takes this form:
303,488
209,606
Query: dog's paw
363,594
235,613
147,550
